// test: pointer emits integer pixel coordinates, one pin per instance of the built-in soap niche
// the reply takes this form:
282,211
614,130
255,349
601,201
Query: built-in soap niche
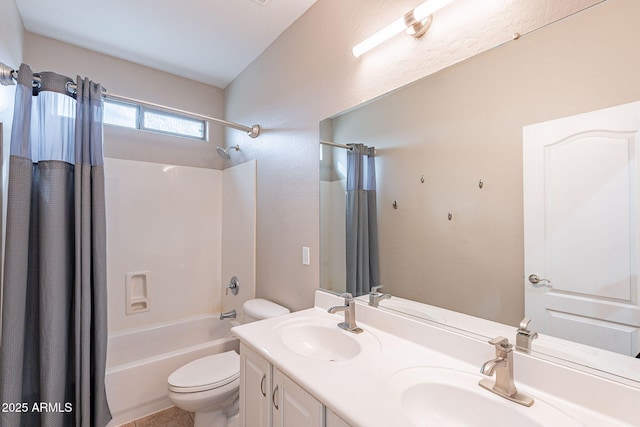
137,292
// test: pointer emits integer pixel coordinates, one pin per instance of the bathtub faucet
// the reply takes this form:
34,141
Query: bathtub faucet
228,315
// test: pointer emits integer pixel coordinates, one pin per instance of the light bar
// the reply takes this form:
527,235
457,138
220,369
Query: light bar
410,19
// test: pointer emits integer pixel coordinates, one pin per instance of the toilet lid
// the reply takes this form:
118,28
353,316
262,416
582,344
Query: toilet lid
206,373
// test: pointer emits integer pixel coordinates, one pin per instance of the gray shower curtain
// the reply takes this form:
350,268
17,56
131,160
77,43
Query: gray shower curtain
54,319
362,221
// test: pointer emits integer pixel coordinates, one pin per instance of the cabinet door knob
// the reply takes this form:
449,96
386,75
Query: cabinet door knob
262,390
273,398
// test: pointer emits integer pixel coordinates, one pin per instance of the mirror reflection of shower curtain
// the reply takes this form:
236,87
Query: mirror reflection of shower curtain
54,313
361,221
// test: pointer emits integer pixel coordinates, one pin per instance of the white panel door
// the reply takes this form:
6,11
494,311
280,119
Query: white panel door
581,207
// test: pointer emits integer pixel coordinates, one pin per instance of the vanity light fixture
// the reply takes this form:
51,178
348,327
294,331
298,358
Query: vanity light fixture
416,22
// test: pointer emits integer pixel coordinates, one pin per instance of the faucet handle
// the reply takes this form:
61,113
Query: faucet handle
501,343
375,289
524,336
524,325
348,298
234,285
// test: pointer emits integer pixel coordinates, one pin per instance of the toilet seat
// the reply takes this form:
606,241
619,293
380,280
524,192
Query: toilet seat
207,373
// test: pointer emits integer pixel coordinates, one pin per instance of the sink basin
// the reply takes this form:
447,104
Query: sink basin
426,396
322,339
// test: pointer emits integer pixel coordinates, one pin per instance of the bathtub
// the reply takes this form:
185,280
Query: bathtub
140,360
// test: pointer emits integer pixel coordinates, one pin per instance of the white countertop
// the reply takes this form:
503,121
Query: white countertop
358,389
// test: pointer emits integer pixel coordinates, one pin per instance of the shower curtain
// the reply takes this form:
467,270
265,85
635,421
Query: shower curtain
362,222
54,330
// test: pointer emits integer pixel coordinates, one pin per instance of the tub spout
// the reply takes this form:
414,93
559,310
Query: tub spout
228,315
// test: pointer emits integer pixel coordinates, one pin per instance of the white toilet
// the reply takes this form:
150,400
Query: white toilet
209,386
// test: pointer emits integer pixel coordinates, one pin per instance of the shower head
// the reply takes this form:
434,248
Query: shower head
224,152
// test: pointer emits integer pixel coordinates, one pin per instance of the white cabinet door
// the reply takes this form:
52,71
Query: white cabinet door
582,227
292,405
255,389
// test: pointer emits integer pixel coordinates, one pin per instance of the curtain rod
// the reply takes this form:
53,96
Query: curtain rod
9,76
335,144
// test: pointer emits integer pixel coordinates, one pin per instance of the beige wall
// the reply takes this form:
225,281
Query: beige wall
305,76
465,124
309,74
136,81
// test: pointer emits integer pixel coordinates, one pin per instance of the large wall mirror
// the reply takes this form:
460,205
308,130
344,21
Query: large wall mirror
449,164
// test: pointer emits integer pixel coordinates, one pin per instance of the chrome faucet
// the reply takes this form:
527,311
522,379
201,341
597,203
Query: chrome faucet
524,336
228,315
375,297
349,309
502,366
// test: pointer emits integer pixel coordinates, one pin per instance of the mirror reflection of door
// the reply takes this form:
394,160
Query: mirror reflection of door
581,235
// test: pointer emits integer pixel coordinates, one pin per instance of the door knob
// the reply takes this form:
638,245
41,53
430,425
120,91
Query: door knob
535,279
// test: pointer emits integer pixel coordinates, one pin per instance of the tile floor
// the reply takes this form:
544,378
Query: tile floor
172,417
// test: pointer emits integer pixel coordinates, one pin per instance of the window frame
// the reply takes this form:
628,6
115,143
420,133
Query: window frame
141,125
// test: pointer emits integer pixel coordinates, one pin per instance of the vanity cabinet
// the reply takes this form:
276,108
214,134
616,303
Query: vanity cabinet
268,398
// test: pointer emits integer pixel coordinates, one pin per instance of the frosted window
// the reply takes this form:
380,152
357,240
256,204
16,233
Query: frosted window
169,123
136,116
120,114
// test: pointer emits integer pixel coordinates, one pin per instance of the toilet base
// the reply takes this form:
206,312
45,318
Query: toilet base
210,419
220,418
234,421
211,407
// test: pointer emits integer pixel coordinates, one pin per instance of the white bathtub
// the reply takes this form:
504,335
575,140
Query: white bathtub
140,360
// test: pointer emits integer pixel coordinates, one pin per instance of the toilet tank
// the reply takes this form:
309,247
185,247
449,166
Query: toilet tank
258,309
